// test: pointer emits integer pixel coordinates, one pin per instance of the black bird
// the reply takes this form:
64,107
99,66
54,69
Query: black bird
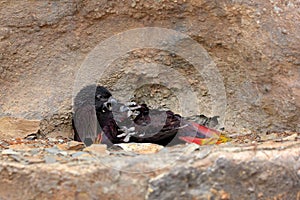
99,117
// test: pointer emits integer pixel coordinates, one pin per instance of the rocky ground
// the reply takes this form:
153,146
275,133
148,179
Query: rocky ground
57,168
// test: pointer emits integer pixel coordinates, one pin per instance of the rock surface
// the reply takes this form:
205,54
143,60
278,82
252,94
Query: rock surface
255,45
11,127
40,170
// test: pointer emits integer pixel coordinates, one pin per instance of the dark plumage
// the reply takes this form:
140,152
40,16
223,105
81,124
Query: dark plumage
84,120
155,126
92,116
98,116
162,127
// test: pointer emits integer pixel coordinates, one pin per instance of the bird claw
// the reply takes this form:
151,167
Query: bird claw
128,132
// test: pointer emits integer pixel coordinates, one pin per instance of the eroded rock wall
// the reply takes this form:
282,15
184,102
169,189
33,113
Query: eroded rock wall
255,45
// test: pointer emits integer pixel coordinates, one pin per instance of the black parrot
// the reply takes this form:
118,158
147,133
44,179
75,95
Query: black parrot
97,116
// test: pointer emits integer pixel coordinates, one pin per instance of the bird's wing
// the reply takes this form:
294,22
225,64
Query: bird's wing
161,127
155,123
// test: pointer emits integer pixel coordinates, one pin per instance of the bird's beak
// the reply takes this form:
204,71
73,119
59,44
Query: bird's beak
110,103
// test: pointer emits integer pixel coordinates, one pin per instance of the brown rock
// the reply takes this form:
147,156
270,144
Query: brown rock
226,172
72,145
255,47
142,148
224,195
97,149
22,147
11,127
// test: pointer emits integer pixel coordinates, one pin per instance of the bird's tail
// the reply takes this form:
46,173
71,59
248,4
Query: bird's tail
201,135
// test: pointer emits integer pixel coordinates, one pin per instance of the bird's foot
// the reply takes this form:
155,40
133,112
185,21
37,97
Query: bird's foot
127,132
98,139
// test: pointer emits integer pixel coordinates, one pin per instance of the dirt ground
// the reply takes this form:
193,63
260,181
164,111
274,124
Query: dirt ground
244,168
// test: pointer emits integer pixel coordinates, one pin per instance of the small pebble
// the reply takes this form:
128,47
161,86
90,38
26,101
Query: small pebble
97,149
52,150
49,159
10,152
61,141
52,139
77,154
63,153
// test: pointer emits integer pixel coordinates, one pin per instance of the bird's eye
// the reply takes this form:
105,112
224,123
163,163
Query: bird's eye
98,96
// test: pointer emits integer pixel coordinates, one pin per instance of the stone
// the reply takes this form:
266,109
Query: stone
226,172
11,127
99,149
10,152
21,147
34,160
49,159
72,145
141,148
83,156
77,154
292,137
52,150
